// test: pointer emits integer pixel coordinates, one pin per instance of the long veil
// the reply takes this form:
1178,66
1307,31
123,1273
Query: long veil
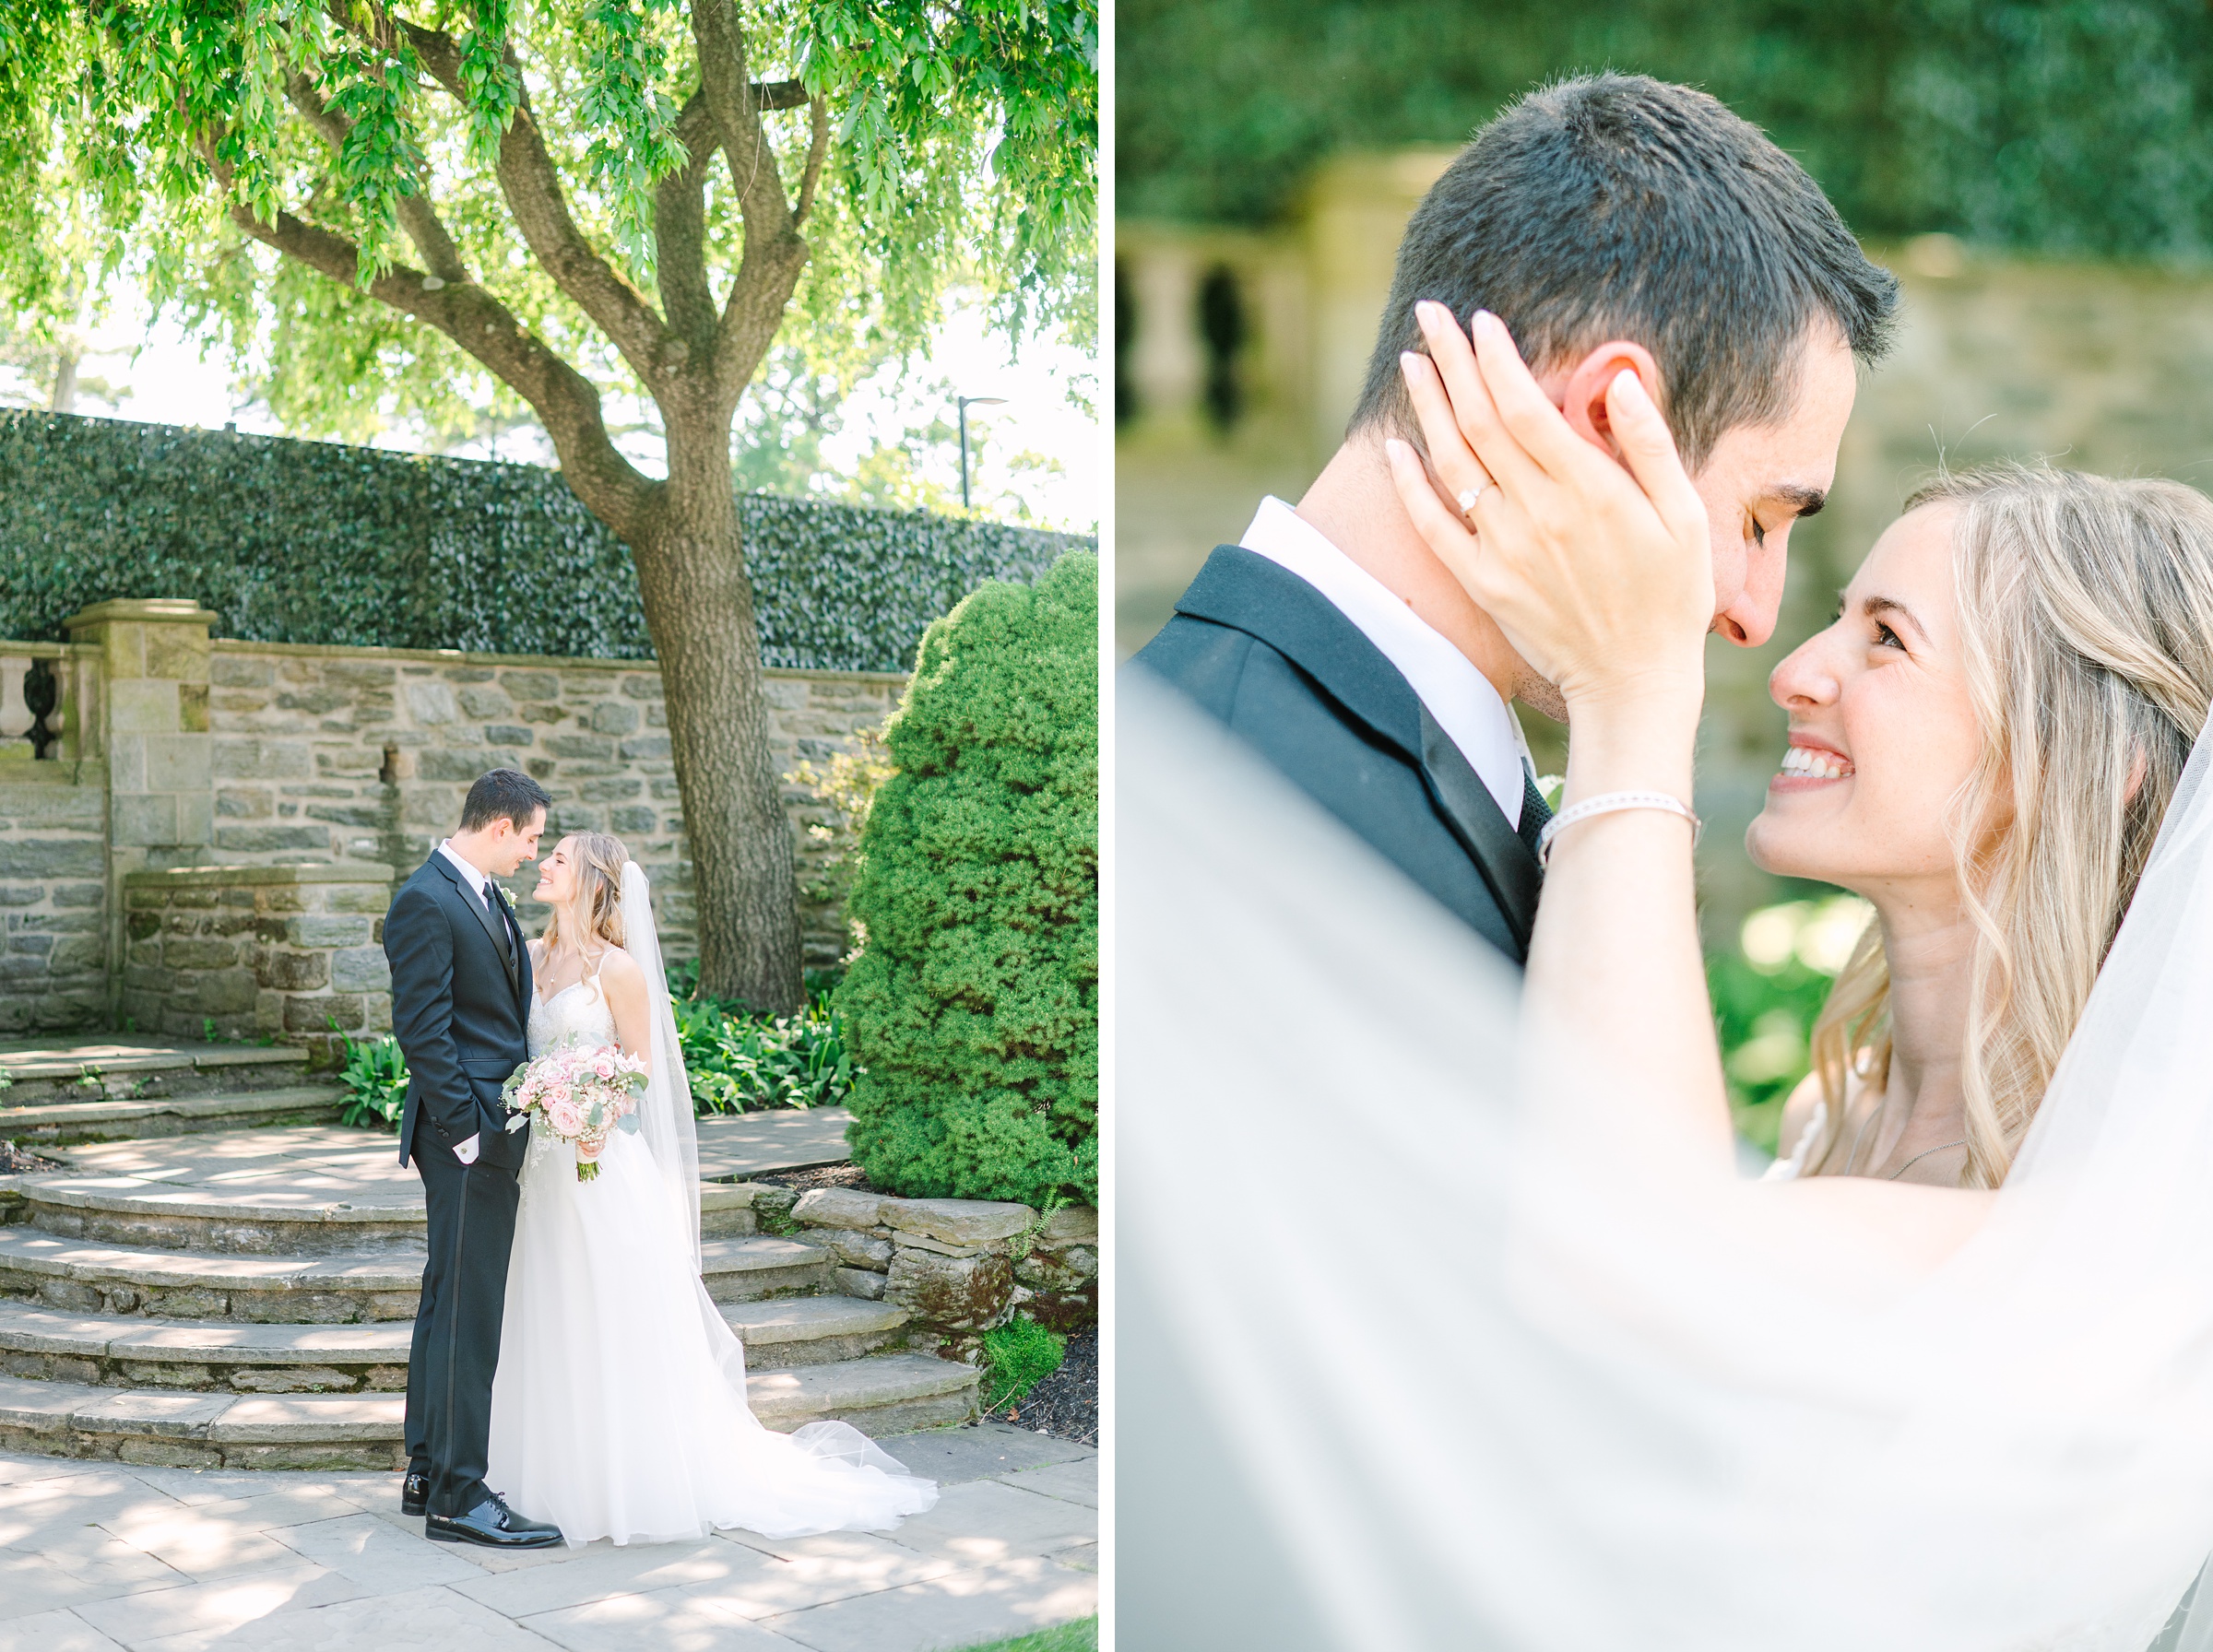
664,1114
1423,1341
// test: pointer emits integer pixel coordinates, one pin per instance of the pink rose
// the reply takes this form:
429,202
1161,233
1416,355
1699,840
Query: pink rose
566,1117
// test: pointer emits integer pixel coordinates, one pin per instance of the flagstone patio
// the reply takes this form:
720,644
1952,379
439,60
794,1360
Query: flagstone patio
96,1556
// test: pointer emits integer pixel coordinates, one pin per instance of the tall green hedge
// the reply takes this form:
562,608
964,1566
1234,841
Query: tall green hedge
2073,127
973,1004
313,542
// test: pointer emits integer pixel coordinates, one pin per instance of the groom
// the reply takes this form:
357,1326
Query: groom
460,1003
1612,222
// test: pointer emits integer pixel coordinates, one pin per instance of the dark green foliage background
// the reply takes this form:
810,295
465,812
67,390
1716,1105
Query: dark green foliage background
313,542
973,1008
2078,127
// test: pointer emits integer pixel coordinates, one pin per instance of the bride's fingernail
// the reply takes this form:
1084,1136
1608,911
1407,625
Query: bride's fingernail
1410,362
1628,386
1484,322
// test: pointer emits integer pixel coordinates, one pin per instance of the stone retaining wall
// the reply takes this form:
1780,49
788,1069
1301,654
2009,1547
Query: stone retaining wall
179,749
960,1267
54,897
282,952
365,754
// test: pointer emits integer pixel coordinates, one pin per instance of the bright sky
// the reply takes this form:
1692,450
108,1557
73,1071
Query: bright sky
166,382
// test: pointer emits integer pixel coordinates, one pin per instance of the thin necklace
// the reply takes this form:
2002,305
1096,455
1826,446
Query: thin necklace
1850,1158
1917,1158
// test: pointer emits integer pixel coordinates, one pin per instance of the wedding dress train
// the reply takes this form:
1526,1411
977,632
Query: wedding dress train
618,1409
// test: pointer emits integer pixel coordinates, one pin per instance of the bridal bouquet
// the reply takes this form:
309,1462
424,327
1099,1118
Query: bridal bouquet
580,1095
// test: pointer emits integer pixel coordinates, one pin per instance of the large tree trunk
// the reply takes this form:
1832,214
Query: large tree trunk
699,607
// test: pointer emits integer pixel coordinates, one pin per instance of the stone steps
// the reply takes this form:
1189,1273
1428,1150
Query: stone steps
126,1068
137,1350
245,1298
80,1276
64,1123
885,1394
279,1213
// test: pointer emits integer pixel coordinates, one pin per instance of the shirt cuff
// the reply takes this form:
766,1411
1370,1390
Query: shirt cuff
466,1151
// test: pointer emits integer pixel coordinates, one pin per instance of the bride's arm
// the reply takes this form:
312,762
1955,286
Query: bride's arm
624,985
1605,586
1601,578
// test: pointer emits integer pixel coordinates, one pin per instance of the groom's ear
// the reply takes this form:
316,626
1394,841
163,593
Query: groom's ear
1581,390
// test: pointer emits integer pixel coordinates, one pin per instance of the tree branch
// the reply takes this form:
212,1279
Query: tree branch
680,227
730,96
416,216
566,402
540,205
775,254
818,148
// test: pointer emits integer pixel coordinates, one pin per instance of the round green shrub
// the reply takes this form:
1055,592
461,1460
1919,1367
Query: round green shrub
973,1007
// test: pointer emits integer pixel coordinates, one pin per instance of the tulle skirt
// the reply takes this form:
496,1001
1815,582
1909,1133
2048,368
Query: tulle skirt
618,1409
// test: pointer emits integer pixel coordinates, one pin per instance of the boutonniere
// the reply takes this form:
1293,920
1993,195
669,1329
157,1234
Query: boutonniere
506,894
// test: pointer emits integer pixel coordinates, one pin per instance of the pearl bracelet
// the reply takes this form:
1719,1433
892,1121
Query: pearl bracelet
1606,803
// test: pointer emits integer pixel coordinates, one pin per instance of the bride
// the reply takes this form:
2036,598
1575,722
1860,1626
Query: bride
1945,1380
618,1409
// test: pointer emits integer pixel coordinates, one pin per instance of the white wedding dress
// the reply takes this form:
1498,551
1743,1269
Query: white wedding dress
618,1408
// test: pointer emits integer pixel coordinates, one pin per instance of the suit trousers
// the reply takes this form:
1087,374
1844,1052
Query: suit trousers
457,1346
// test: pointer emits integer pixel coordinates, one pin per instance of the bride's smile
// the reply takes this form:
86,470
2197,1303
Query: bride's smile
1883,732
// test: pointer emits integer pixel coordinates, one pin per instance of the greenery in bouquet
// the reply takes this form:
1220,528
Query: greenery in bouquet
1767,992
580,1095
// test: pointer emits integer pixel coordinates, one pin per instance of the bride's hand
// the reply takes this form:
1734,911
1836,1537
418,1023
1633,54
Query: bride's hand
1601,577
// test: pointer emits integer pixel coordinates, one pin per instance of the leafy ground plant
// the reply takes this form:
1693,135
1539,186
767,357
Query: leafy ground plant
1018,1356
739,1062
375,1077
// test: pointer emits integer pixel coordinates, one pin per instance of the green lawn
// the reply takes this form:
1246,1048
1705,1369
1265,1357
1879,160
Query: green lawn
1080,1637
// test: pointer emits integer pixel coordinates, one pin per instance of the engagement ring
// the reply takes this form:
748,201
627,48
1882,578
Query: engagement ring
1468,496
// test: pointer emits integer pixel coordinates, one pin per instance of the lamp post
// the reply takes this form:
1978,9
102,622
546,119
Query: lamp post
967,402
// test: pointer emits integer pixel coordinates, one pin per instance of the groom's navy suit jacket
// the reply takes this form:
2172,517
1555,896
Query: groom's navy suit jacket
1273,657
460,1008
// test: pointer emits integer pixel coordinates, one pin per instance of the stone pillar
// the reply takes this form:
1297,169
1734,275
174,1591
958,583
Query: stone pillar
1356,216
152,737
1164,360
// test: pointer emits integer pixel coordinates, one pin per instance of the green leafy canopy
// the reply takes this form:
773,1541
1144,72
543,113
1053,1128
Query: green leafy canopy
954,145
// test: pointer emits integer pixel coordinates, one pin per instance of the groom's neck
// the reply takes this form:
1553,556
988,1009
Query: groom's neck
475,848
1356,507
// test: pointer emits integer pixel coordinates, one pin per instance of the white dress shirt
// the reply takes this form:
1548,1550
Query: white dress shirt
482,882
1459,696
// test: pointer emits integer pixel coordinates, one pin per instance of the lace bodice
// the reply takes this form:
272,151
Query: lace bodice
577,1014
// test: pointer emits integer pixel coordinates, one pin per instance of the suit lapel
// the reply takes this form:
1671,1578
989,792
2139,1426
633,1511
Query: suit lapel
476,910
1247,592
1495,847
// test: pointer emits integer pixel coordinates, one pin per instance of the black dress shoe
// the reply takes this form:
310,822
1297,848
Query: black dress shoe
415,1492
493,1525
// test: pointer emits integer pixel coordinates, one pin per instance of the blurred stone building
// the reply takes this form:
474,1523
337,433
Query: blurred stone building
1239,355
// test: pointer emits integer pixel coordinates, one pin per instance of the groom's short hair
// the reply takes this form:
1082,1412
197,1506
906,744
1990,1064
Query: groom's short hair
503,794
1621,207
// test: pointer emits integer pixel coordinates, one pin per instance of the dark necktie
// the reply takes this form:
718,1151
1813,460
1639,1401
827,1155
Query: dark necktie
499,921
1535,811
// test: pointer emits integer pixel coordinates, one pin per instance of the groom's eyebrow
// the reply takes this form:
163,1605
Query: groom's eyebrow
1803,501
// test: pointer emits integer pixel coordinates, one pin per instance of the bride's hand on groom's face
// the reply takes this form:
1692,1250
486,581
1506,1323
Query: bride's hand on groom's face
1601,576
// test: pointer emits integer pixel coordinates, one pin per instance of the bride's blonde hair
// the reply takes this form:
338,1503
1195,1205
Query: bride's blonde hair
599,862
2086,621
